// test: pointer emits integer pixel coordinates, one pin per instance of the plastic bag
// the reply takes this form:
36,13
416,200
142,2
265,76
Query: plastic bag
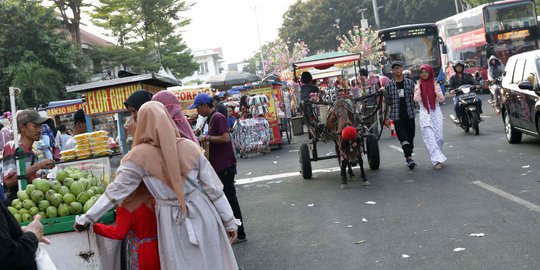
43,260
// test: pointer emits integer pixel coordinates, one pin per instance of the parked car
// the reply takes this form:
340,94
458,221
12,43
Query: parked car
520,96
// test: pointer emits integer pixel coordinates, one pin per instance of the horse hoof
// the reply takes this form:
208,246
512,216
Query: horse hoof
344,186
366,183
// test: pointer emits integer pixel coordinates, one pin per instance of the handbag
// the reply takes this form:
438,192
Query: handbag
43,260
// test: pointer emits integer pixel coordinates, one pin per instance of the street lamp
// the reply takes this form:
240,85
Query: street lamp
364,23
337,26
376,13
259,36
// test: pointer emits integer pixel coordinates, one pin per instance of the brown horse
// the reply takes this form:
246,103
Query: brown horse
342,115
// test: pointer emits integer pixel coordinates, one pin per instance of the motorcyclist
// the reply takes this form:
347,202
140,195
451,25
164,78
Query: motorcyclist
495,71
462,78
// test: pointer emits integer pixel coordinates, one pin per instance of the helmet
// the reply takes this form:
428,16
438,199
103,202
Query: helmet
457,63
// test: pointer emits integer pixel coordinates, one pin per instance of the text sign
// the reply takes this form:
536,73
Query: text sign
110,99
64,109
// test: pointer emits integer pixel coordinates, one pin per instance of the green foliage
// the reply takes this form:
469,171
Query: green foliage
35,55
149,34
314,21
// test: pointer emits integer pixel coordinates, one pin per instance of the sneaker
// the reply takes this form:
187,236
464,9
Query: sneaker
411,164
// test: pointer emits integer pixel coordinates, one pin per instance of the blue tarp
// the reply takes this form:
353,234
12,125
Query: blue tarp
234,91
55,104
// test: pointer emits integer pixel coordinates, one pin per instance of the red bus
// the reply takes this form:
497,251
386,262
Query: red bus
502,29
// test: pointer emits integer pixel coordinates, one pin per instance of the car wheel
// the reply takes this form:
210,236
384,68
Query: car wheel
512,135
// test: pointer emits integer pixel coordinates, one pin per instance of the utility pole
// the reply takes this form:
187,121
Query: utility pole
260,44
457,7
376,13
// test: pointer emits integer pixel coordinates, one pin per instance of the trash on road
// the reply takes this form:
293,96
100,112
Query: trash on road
477,234
459,249
292,204
409,181
364,220
526,166
349,226
275,162
405,256
249,173
370,202
337,222
312,204
293,151
360,242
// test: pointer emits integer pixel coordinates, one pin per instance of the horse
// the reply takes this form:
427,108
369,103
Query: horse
342,115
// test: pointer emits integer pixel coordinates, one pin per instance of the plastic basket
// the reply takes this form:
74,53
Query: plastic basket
65,224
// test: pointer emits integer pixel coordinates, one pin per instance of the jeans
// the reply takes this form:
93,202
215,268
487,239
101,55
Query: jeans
405,130
456,106
227,178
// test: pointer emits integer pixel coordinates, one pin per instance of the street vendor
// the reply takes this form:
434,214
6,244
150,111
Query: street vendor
29,125
79,127
307,87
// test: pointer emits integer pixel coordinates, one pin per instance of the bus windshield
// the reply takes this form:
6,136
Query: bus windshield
509,16
413,52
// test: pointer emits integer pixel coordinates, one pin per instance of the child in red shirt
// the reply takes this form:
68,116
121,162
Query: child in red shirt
136,218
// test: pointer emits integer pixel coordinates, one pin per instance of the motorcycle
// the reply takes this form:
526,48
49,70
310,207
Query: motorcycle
468,110
495,91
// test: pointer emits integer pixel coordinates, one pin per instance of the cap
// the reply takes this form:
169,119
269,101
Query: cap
201,98
29,115
397,63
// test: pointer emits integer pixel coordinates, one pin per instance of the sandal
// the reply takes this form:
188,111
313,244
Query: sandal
437,166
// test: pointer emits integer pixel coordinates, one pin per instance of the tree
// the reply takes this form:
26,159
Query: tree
73,8
150,29
35,55
279,58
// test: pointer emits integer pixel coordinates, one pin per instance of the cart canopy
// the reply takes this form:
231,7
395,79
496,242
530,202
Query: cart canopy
326,60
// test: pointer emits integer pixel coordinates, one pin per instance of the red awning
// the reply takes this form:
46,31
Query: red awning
327,63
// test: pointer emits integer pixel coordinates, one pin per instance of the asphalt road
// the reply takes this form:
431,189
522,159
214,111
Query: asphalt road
421,219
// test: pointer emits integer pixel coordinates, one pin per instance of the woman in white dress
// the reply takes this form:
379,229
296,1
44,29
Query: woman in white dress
428,95
195,222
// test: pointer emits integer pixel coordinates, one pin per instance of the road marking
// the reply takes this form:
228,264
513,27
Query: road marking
486,116
398,149
281,175
508,196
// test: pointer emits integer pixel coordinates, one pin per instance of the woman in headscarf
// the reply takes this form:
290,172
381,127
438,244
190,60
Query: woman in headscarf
175,111
195,221
133,103
428,95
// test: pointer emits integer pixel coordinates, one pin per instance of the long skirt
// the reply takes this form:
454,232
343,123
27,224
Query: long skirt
431,125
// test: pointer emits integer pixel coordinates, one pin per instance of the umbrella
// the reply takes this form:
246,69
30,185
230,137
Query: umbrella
232,78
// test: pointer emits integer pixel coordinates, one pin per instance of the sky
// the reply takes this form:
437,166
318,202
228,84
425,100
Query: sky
229,24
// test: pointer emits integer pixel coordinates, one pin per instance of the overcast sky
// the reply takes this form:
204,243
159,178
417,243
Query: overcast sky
230,24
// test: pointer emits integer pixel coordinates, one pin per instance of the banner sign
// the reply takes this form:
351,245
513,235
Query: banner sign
468,40
110,99
64,109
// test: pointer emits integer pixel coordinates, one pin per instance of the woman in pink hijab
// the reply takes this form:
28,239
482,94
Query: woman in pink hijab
175,111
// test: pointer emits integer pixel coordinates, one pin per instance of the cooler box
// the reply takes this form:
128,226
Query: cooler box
297,125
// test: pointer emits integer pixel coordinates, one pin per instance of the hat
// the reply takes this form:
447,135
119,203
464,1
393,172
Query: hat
201,98
397,63
29,115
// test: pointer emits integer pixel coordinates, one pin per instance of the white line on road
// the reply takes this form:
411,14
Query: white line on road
281,175
508,196
398,149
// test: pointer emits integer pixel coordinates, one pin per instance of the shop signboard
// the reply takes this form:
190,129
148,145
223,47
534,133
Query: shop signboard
110,99
62,110
186,96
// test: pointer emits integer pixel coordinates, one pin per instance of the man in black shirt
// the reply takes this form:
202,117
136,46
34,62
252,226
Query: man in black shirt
399,96
18,246
307,86
462,78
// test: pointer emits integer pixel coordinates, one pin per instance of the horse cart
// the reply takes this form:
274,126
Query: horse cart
328,120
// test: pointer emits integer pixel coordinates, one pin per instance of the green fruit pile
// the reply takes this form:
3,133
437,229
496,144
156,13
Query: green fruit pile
72,193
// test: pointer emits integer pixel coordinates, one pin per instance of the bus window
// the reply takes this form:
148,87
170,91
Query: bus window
505,17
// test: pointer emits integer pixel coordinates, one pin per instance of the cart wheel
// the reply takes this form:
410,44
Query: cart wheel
373,155
305,161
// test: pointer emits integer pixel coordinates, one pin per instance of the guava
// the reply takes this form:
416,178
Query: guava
76,188
52,212
26,217
49,194
18,217
83,197
68,181
61,175
37,196
63,190
63,210
42,184
17,204
42,214
13,210
75,208
43,205
69,198
89,204
30,188
33,211
22,195
56,200
55,185
23,211
27,204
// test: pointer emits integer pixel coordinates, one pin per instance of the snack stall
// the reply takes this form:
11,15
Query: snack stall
105,101
186,95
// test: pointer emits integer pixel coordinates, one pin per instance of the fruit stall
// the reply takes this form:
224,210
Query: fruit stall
104,108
